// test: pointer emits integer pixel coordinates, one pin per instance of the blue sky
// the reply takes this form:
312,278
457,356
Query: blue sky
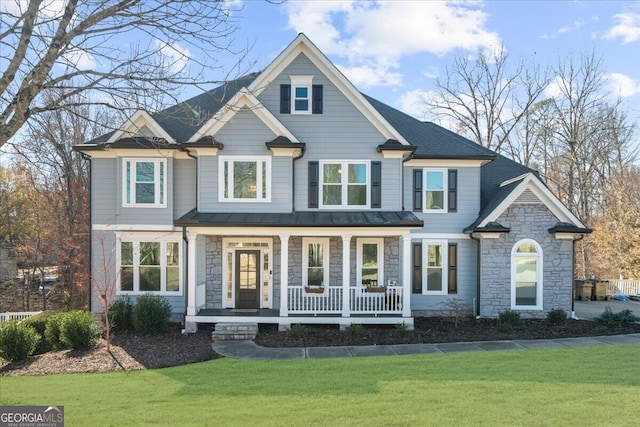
392,50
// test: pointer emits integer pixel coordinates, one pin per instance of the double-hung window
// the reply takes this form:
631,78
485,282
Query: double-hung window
526,275
434,185
150,266
301,94
344,184
144,183
369,259
315,261
245,179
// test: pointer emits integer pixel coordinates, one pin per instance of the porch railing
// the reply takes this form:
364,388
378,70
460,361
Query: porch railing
329,301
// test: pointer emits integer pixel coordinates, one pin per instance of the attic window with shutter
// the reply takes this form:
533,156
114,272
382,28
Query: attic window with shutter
301,96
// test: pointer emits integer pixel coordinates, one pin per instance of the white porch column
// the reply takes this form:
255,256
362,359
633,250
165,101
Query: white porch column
346,274
191,273
406,275
284,274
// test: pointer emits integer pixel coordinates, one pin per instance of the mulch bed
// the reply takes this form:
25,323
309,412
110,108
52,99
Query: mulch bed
130,351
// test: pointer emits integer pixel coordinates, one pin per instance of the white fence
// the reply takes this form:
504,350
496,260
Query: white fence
18,315
624,287
329,300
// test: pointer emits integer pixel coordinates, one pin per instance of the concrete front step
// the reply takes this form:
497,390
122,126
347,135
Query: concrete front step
234,331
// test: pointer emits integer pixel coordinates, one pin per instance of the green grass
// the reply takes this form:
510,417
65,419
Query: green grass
579,386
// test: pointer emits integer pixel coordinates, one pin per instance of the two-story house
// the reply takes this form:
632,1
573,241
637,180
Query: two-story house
288,196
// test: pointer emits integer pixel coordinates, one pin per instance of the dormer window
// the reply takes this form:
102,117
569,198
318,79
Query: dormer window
301,96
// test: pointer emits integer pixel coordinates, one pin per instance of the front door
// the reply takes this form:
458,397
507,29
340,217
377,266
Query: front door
247,279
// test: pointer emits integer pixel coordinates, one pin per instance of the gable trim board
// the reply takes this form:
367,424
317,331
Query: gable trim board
301,44
133,124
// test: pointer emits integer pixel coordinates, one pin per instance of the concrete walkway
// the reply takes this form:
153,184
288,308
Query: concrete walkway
248,350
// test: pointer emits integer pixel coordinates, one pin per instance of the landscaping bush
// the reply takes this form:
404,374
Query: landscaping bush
510,317
402,330
297,331
79,330
121,314
557,316
355,331
614,319
52,330
504,327
39,322
151,314
17,340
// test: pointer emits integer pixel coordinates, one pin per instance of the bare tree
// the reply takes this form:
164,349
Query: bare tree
486,98
83,53
105,279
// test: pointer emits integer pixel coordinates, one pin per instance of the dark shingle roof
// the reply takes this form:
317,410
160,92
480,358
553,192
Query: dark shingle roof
431,141
301,219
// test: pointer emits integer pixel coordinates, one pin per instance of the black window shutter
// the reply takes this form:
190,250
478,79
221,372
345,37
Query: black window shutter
285,99
416,268
453,268
316,107
376,184
314,170
453,190
417,190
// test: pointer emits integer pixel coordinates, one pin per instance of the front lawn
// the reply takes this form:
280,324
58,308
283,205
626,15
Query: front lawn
580,386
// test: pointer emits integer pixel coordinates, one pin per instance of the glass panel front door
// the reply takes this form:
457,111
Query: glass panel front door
248,279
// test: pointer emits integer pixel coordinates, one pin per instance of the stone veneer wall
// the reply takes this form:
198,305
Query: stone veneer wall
527,221
213,272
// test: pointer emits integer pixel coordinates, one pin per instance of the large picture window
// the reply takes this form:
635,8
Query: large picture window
150,267
344,184
245,179
144,182
526,275
315,262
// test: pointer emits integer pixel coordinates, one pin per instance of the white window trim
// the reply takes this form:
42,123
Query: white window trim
345,184
425,266
325,260
444,190
163,264
229,247
297,82
539,275
380,257
158,186
259,178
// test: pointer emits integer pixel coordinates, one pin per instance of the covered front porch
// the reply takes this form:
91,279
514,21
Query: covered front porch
307,275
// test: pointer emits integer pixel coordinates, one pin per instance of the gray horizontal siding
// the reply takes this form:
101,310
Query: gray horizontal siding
184,186
104,191
468,202
467,281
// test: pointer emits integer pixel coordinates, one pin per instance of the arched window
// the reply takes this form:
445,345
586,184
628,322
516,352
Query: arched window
526,275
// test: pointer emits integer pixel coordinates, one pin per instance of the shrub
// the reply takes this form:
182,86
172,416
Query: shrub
121,314
79,330
613,319
17,340
297,331
557,316
401,329
355,331
510,317
151,314
52,330
504,327
39,322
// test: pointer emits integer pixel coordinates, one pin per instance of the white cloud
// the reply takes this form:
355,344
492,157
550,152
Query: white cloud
374,36
174,57
80,59
366,77
628,28
622,85
413,103
576,26
554,89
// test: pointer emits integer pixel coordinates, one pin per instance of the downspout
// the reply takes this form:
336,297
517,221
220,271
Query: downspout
573,275
88,158
293,179
478,258
186,241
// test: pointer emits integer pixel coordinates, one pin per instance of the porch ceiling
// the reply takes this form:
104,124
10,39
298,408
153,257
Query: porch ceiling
301,219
